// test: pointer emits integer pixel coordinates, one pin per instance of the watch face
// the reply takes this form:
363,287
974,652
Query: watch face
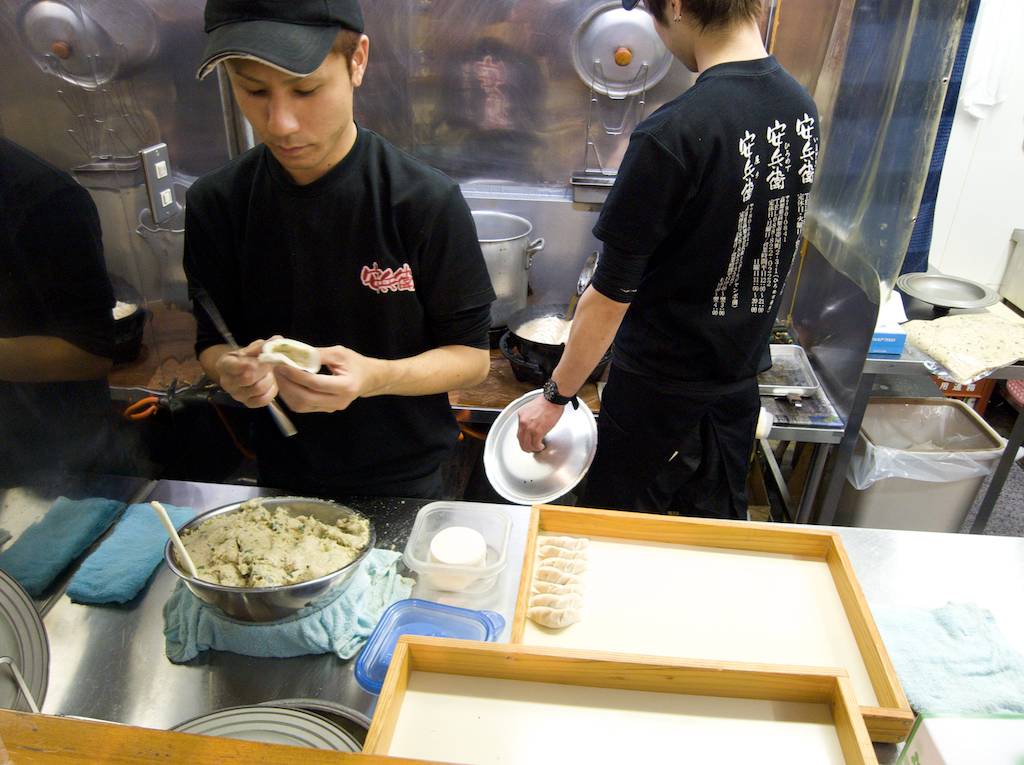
550,390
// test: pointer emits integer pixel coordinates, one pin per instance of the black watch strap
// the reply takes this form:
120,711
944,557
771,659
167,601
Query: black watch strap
551,394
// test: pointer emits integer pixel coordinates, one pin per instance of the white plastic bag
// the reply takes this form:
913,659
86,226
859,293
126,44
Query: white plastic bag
936,444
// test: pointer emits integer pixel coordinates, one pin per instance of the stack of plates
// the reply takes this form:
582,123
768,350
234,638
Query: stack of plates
273,725
23,638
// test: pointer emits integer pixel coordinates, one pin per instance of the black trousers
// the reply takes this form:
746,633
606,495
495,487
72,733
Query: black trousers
430,486
680,449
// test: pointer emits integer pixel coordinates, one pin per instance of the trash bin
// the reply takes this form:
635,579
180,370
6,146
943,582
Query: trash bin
918,464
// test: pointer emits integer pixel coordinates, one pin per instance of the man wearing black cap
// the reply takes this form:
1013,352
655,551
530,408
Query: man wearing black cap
327,234
699,232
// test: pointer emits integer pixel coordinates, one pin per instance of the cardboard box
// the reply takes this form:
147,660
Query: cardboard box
983,740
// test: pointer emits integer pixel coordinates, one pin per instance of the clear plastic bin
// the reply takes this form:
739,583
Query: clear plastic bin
491,521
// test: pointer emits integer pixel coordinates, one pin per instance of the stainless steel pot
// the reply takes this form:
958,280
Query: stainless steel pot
268,604
508,253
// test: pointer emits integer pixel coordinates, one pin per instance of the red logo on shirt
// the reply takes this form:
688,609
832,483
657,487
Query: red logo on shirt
384,280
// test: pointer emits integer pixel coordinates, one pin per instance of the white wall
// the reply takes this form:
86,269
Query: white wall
981,195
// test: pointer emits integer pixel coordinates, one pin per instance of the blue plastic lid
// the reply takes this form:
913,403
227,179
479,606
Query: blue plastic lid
420,617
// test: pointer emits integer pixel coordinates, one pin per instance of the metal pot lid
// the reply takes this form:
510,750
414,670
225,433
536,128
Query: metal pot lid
273,725
947,291
23,639
525,478
351,721
609,30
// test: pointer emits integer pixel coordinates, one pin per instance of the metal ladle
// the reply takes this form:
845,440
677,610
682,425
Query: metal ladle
586,275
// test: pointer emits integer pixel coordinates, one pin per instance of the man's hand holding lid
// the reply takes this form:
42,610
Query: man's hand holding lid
245,379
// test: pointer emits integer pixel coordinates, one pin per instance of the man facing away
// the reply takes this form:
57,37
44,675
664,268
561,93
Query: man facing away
699,232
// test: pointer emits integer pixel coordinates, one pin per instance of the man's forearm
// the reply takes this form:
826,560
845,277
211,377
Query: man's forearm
438,370
594,326
38,358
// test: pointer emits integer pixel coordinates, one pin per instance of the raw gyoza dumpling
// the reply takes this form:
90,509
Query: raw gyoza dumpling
290,352
566,543
553,588
555,575
553,551
561,602
570,565
555,618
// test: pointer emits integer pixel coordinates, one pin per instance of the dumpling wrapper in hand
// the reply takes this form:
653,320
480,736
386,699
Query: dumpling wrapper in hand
290,352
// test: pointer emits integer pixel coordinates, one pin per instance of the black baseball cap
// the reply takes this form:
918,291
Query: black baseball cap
630,4
294,36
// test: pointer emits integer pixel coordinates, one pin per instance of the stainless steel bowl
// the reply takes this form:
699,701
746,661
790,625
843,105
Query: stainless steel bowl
269,604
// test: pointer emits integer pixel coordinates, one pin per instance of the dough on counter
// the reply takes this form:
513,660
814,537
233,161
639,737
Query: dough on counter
553,588
552,551
569,565
290,352
566,543
559,602
260,547
555,575
555,618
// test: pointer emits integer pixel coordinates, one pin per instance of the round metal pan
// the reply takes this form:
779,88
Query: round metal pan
944,291
23,639
525,478
273,725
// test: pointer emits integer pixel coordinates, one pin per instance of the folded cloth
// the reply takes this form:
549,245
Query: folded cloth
49,545
953,659
339,627
125,561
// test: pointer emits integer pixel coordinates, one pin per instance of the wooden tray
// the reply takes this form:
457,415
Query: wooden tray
483,703
722,591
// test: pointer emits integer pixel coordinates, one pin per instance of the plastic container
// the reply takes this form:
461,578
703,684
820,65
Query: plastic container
491,521
420,617
918,465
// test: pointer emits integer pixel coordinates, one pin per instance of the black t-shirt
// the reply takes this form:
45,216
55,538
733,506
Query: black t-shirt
703,222
379,255
53,282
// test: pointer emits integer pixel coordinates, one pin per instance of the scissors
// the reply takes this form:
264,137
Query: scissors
141,409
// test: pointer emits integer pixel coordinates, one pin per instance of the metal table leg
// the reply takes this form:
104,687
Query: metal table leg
853,422
999,477
776,473
819,457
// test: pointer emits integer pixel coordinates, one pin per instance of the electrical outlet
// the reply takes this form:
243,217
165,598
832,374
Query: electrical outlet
156,167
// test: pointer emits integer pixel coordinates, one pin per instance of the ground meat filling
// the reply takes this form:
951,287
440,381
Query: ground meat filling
262,547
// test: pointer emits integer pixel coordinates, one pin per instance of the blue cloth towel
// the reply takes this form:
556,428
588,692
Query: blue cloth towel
49,545
340,627
125,561
953,659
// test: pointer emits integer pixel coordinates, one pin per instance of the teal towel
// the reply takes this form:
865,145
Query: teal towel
125,561
49,545
953,660
339,627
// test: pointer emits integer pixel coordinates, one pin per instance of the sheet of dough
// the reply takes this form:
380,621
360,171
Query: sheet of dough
458,719
700,603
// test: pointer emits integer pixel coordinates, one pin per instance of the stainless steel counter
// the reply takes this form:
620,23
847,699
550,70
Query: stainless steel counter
109,662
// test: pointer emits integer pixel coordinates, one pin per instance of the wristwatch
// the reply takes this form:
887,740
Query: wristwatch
551,394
